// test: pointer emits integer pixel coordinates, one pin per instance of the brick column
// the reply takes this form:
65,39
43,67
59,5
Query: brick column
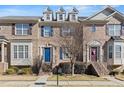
2,52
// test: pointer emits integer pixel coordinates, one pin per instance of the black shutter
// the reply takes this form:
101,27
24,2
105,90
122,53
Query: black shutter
30,29
13,29
42,32
52,31
122,29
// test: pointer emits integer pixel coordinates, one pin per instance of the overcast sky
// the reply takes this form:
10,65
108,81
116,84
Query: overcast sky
36,10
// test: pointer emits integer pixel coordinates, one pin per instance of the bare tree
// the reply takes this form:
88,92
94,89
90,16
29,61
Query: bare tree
72,42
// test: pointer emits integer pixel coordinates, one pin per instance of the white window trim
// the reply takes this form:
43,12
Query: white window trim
114,30
22,30
44,35
24,57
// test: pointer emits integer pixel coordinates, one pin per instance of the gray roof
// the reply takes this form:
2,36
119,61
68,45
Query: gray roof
116,38
20,18
82,18
48,10
61,9
74,10
3,37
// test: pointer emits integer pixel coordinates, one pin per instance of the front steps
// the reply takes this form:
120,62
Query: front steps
99,68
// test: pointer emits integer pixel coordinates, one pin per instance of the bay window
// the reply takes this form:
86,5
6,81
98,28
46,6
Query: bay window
118,51
21,51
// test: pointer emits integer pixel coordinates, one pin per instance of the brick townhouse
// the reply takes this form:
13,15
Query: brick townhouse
24,39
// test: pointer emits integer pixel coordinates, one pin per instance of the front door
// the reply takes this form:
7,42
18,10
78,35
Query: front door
94,54
47,54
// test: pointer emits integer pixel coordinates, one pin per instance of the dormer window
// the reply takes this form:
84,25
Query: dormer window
48,17
60,14
60,17
48,14
73,17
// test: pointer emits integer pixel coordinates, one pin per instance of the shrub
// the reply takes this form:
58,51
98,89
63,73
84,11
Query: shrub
122,72
66,68
46,67
10,71
80,68
25,71
114,73
15,68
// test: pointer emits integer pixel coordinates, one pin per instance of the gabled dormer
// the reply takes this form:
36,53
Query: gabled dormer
61,14
48,14
73,15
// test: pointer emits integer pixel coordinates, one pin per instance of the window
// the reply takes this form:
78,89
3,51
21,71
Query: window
118,51
22,29
110,51
64,54
114,29
48,17
15,51
0,27
26,51
65,31
46,31
60,51
60,17
21,51
93,28
73,17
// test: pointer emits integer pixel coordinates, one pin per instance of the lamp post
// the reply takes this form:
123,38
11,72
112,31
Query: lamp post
59,71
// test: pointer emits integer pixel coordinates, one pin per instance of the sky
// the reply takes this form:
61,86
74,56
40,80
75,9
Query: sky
36,10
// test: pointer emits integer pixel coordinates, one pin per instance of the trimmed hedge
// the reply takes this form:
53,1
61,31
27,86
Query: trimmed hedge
79,68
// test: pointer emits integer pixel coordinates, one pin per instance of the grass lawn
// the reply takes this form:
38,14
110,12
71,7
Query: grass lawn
18,77
120,77
76,78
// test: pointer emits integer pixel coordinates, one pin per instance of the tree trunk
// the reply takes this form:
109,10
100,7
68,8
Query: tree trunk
72,66
72,69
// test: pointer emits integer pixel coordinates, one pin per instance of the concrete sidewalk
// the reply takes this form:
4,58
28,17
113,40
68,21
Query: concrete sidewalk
110,82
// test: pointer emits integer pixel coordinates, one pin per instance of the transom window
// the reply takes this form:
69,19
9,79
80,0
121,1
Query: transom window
20,51
114,29
22,29
46,31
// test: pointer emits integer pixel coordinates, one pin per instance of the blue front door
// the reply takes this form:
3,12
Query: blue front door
47,54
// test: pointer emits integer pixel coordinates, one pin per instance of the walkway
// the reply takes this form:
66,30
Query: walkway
40,82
